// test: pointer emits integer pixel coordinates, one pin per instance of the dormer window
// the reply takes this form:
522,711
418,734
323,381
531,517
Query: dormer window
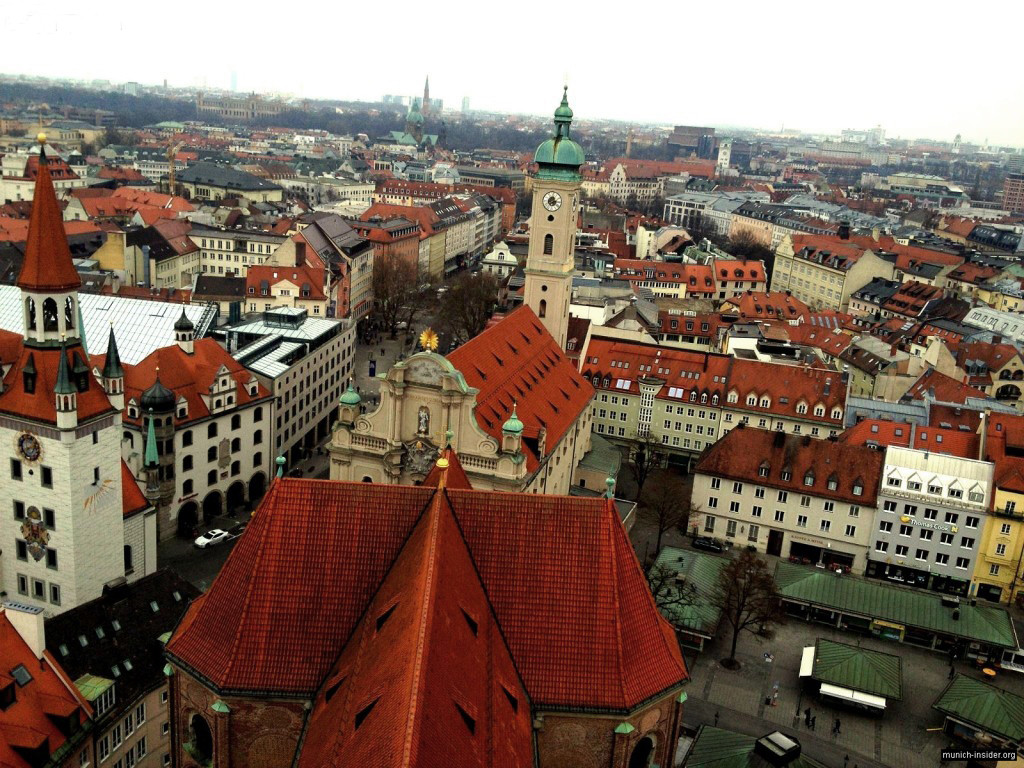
751,399
762,471
858,488
787,475
809,478
819,410
833,483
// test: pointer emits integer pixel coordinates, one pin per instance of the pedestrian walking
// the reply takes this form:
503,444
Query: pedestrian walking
952,671
716,719
837,726
814,722
807,717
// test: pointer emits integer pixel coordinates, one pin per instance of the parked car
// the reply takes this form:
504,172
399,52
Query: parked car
211,538
708,544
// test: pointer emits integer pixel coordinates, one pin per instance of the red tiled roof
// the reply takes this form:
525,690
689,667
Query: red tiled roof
956,442
516,362
190,376
559,572
299,276
1004,446
452,476
133,500
739,270
31,722
47,266
427,650
746,453
787,387
698,278
945,388
41,404
768,306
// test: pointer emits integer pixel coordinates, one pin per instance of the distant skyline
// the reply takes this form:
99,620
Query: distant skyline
918,71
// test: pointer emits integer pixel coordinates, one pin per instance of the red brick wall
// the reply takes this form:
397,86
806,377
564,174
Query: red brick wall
590,741
256,733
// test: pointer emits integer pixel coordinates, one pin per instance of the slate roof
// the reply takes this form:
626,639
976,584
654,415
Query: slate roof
983,622
860,669
516,362
984,706
559,573
122,631
224,177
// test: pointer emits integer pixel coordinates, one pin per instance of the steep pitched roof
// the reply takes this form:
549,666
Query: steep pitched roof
189,376
47,266
40,404
786,461
517,362
30,723
133,500
426,677
559,572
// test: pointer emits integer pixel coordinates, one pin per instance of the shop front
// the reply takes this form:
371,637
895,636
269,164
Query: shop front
916,577
815,552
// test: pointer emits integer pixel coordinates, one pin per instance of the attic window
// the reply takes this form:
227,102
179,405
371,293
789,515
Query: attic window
153,606
473,626
333,688
116,625
63,650
363,713
512,700
466,718
21,675
383,618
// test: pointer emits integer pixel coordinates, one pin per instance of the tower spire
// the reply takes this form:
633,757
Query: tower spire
112,365
47,267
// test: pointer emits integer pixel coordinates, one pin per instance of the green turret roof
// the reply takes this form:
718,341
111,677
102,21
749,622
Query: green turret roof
350,396
513,426
152,459
415,116
63,385
560,157
112,365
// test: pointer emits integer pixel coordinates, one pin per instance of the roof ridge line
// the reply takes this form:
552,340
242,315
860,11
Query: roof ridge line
425,619
615,600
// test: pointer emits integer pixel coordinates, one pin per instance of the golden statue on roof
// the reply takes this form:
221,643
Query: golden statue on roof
429,340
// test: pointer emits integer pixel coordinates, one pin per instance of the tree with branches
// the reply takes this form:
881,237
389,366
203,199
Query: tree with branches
394,290
644,456
746,596
468,305
668,592
667,505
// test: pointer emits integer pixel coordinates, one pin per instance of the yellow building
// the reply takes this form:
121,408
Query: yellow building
998,572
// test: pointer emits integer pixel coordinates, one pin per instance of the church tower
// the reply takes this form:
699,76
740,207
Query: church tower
65,538
550,262
426,96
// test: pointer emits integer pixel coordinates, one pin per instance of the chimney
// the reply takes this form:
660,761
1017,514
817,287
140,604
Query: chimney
983,435
28,621
844,230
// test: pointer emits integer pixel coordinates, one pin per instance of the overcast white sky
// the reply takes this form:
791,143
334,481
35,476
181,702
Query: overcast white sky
919,69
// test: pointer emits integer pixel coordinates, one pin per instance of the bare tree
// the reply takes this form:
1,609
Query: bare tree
670,594
468,305
667,504
394,287
746,595
644,457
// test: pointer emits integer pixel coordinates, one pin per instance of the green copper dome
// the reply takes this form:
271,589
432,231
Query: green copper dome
560,157
350,396
513,426
415,116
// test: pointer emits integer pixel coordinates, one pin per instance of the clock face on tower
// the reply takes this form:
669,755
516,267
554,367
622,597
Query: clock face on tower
552,201
28,447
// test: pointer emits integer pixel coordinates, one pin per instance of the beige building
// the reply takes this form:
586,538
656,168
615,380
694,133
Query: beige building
824,272
227,252
790,496
491,400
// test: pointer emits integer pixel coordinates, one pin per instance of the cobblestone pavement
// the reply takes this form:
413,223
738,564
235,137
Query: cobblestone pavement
905,736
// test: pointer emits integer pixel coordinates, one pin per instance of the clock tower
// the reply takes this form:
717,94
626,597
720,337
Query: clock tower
550,262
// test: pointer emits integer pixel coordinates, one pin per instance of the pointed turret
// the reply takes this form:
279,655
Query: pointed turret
48,279
151,461
185,333
65,393
112,375
47,266
512,433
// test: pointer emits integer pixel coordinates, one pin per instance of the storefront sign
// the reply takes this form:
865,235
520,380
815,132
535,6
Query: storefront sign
928,524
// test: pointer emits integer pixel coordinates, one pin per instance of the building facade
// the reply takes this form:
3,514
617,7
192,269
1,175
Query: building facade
932,510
